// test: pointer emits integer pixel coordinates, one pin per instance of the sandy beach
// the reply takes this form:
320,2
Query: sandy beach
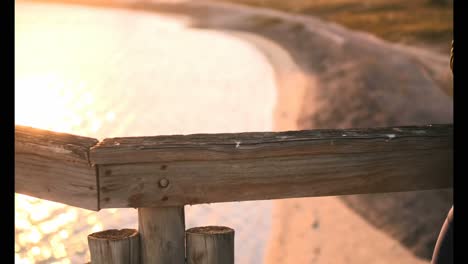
210,68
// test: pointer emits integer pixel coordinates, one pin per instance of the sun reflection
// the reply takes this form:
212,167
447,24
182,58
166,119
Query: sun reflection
63,234
96,228
73,75
35,251
48,227
46,253
22,223
59,251
110,116
43,233
91,219
53,104
21,260
34,236
40,214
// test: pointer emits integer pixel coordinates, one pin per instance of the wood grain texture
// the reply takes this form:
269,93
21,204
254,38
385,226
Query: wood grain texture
162,235
210,245
55,166
209,147
205,168
257,166
115,247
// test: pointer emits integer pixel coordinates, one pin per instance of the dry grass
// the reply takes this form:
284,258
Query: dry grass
408,21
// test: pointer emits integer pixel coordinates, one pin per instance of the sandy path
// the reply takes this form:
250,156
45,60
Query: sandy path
324,230
319,229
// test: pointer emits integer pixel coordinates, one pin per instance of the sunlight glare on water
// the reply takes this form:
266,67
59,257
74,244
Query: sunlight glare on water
100,73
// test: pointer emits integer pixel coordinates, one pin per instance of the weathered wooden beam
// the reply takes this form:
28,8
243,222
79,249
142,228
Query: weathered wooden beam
210,245
55,166
162,235
205,168
115,247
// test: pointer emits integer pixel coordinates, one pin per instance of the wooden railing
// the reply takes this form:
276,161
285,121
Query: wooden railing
161,174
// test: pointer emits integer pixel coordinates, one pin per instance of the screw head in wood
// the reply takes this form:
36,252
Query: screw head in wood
163,183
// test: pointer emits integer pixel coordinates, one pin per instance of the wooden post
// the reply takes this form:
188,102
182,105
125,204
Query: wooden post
162,235
115,247
210,245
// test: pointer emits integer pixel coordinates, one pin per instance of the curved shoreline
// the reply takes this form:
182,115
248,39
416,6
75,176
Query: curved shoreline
290,80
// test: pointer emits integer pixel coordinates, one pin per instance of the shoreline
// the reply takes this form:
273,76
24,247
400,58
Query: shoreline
290,80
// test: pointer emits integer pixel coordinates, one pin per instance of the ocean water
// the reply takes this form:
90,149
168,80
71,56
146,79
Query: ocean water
106,73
